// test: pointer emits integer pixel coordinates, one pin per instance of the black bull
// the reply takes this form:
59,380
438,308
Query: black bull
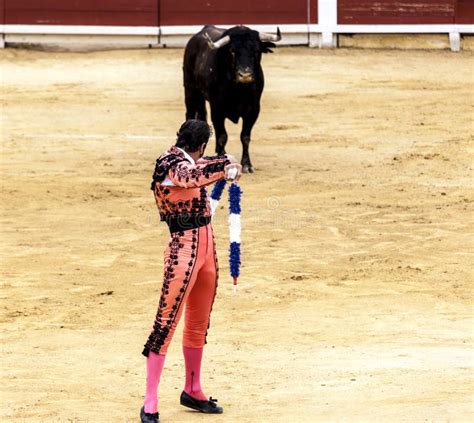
223,67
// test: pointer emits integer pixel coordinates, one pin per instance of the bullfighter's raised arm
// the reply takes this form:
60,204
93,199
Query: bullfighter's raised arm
203,172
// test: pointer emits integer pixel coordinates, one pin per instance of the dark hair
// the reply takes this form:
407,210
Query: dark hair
192,134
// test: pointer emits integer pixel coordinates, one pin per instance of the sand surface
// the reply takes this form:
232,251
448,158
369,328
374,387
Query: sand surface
355,299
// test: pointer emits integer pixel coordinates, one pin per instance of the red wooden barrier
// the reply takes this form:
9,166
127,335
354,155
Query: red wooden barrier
465,12
82,12
201,12
147,12
396,11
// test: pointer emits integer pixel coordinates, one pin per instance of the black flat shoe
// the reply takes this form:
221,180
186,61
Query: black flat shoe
149,417
204,406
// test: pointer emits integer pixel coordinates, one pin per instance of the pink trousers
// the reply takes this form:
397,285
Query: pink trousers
190,279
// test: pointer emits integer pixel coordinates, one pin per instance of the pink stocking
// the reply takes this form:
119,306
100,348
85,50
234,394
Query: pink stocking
154,367
192,362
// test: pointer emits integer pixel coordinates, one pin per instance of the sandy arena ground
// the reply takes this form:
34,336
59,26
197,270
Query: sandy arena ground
355,299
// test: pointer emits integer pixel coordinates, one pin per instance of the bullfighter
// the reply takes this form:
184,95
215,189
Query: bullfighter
190,262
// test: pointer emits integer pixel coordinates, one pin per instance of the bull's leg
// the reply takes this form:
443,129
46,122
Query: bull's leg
201,112
195,104
190,102
221,134
245,139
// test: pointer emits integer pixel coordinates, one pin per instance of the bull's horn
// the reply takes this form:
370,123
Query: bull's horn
270,37
217,44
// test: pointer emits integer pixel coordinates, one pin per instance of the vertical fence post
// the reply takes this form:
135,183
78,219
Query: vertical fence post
327,20
455,41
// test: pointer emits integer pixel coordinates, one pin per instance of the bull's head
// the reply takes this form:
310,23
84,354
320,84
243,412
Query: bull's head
243,48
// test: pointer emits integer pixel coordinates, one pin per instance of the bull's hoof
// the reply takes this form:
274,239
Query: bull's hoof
247,169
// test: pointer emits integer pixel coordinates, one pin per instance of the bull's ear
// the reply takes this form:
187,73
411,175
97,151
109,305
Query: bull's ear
266,45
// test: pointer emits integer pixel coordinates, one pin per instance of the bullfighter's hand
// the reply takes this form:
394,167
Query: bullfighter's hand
238,169
231,158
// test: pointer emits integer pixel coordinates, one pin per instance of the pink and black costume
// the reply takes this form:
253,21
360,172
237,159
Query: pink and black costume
190,264
191,269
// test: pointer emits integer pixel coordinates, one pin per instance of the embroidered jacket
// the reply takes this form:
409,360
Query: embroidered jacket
179,183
